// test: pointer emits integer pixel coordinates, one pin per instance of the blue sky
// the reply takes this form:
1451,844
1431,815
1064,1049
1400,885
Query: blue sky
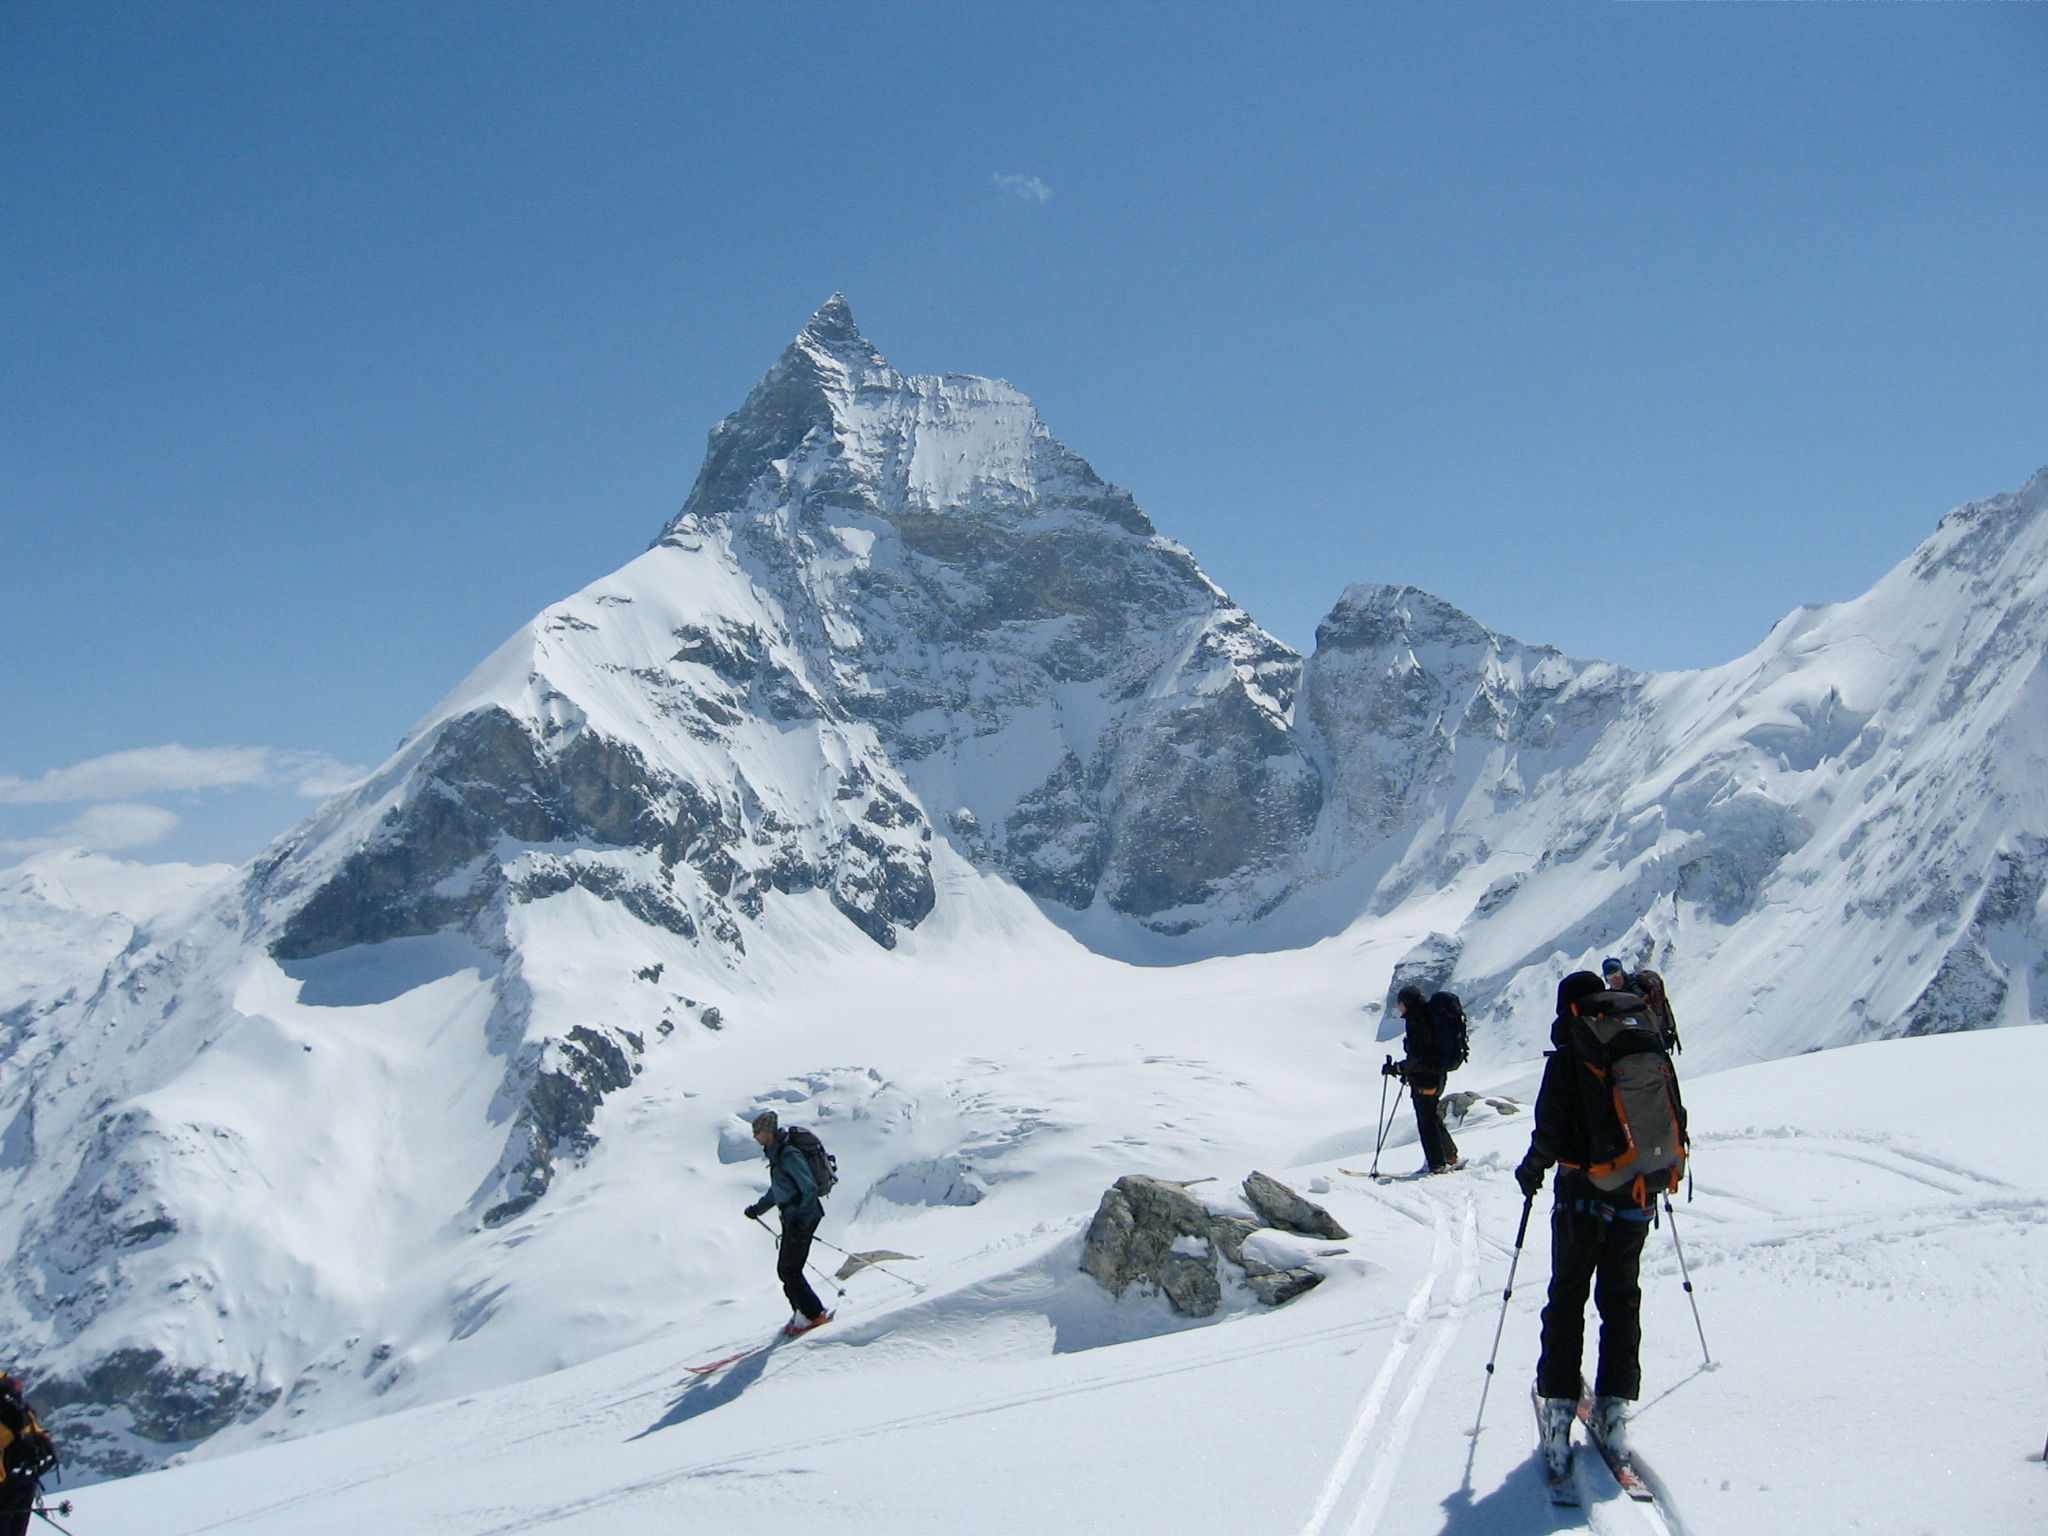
341,338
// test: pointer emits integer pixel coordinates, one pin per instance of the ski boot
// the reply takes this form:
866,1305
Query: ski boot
1554,1417
1608,1423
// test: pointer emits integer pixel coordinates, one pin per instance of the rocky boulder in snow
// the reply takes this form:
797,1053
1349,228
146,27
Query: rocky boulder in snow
1278,1206
1153,1234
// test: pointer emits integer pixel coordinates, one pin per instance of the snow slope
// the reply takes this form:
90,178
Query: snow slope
65,915
1869,1243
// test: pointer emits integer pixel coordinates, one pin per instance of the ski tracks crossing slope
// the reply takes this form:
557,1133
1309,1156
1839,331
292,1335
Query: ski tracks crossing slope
1359,1481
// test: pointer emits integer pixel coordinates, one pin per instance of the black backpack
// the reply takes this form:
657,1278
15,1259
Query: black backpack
1651,985
1447,1020
824,1167
1628,1094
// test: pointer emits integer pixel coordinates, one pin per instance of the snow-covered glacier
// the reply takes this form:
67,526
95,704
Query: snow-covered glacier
912,778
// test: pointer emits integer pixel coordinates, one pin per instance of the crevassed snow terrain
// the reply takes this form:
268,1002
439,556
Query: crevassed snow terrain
913,782
1869,1246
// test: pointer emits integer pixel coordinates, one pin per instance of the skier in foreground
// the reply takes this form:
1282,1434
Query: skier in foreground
1609,1116
27,1454
793,1189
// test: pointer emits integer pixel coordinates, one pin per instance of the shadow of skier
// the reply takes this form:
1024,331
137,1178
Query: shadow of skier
709,1393
1520,1506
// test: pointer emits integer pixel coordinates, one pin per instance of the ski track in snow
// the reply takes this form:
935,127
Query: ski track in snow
1450,1318
1444,1319
735,1465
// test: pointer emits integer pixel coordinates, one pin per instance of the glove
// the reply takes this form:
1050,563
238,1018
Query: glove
755,1211
1529,1174
1393,1068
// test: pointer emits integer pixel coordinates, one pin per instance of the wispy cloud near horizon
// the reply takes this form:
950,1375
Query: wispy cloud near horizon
172,768
1026,189
101,829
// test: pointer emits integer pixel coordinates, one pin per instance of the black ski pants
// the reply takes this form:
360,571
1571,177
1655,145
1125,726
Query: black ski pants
1426,1089
17,1505
1594,1246
791,1255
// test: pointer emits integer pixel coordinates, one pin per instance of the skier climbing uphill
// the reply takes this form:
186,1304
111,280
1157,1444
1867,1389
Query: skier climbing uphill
793,1189
1433,1044
1609,1117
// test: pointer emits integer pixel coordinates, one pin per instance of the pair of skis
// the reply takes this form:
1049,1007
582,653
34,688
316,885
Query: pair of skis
781,1335
1564,1489
1405,1178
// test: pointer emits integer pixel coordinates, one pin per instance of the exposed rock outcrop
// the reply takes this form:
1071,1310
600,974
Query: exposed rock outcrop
1279,1206
1153,1234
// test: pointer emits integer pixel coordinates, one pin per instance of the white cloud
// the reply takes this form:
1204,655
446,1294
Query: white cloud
170,768
315,776
102,829
1026,189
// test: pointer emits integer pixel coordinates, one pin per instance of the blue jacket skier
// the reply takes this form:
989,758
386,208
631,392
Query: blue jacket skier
793,1190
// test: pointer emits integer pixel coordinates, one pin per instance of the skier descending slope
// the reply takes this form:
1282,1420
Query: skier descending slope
793,1189
1609,1115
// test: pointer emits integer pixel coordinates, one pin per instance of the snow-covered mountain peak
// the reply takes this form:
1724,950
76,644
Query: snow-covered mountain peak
823,788
832,425
1372,615
1979,538
832,335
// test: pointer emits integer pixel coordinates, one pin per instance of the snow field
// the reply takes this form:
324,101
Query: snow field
1868,1237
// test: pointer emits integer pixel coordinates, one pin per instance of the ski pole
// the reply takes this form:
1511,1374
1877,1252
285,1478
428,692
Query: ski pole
871,1264
772,1237
43,1510
1378,1120
1515,1263
1706,1355
1386,1123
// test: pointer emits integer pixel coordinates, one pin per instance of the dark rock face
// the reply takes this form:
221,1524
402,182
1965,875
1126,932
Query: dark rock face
1428,967
1135,1228
1971,986
487,778
155,1401
1154,1234
1404,688
438,859
1278,1206
566,1083
108,1220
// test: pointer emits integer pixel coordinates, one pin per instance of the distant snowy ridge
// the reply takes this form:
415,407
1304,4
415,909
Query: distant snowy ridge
866,780
1840,836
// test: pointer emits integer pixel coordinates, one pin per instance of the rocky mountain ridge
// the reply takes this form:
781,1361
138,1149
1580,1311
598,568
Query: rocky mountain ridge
901,657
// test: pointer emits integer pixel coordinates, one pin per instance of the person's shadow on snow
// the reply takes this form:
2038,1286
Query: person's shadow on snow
711,1392
1520,1506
